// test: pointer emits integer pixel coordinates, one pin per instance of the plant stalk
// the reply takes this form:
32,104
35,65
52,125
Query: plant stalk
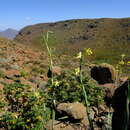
84,92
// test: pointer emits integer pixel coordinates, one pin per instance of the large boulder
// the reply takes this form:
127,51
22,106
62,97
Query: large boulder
103,73
119,101
74,110
77,117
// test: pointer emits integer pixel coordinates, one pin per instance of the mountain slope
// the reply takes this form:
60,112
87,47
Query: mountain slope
9,33
109,38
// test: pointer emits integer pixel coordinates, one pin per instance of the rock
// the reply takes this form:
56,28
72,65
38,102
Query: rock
42,85
26,82
95,110
101,108
35,79
76,112
2,80
119,105
6,81
4,60
123,79
57,125
15,66
99,117
2,72
91,114
103,73
9,81
1,87
55,70
73,110
12,73
109,90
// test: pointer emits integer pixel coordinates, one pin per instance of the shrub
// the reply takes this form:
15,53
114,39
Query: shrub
23,73
67,88
24,108
38,70
2,74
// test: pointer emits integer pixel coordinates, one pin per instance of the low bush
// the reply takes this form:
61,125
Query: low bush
67,88
22,107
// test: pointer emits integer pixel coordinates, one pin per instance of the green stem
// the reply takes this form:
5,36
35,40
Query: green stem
85,94
46,38
50,56
53,118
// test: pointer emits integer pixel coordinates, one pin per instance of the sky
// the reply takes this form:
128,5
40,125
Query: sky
20,13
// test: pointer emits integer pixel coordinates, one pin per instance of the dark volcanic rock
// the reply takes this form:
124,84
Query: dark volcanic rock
120,107
103,73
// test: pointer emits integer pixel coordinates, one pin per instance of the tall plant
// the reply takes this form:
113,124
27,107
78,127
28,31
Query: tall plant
46,40
79,70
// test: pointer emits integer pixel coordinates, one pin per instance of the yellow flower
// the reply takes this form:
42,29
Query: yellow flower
117,68
28,120
123,55
79,55
15,115
88,51
78,86
39,117
36,94
121,62
77,71
128,62
31,124
49,89
56,83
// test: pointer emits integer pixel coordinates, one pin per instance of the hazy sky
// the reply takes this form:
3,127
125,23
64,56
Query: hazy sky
19,13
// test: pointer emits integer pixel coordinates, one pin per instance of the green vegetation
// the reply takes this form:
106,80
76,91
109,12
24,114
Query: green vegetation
22,107
23,73
1,74
67,88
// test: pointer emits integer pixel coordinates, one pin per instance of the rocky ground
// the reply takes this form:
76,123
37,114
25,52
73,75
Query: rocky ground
18,62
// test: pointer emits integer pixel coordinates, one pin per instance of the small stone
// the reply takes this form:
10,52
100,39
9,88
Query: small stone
12,72
4,60
123,79
101,108
95,110
55,70
91,114
1,87
15,67
42,85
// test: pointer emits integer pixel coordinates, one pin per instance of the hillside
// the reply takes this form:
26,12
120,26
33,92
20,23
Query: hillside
108,37
9,33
